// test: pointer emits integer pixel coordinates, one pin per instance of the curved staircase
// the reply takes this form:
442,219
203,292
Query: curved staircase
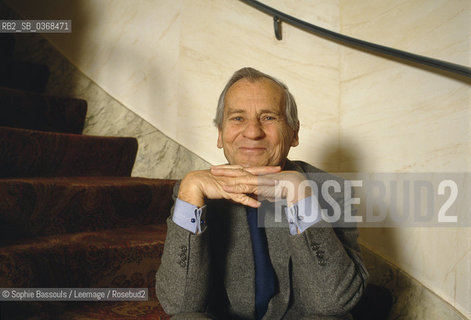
70,214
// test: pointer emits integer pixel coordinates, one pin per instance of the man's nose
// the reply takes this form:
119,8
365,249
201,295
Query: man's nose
253,129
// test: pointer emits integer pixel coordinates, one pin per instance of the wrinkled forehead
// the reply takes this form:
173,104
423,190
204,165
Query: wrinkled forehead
262,90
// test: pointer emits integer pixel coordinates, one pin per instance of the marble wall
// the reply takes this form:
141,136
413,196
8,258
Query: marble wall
167,61
411,300
400,118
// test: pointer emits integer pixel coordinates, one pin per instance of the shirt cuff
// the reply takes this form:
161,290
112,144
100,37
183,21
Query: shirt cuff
189,217
303,214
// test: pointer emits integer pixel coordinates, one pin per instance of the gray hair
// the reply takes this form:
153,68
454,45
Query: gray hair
291,109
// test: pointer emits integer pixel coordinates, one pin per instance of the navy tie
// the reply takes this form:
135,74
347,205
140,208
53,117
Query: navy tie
264,274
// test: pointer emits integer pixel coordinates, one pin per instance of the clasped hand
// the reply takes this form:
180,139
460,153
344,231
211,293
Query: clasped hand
247,186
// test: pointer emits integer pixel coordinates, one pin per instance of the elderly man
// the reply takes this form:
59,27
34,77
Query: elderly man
226,259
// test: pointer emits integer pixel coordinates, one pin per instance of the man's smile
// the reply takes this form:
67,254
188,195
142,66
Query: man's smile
252,149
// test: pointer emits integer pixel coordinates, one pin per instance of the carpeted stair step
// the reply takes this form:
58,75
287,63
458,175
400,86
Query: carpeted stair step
27,110
7,46
94,310
23,75
32,207
117,258
31,153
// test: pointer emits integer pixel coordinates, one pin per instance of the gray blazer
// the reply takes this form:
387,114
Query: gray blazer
319,272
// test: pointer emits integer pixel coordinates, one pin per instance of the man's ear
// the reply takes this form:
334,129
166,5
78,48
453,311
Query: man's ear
295,140
219,139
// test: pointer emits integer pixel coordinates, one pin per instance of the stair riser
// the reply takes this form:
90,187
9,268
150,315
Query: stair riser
24,76
31,208
28,153
124,268
7,46
82,265
20,109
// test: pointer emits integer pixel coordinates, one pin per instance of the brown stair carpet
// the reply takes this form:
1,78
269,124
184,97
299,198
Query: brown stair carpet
23,75
30,153
7,46
36,111
120,258
100,310
70,214
32,207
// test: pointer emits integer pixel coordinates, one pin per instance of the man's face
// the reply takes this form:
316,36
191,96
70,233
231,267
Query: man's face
254,129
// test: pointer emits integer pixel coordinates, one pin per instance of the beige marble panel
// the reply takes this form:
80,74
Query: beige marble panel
411,300
439,29
399,118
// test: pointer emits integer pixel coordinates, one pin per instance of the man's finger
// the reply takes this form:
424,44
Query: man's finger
245,200
235,171
263,170
269,199
240,188
251,180
228,166
229,171
271,193
235,176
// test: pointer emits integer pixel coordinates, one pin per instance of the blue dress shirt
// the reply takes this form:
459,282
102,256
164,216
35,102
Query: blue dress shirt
301,215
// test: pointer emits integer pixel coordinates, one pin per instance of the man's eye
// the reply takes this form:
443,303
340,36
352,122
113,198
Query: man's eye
237,118
268,118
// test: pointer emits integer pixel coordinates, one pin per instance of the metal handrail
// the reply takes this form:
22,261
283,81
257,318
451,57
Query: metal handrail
279,17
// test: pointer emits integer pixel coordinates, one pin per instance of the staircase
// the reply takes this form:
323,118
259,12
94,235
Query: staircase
70,214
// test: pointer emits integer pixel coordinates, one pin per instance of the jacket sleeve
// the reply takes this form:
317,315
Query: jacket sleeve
328,273
182,280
